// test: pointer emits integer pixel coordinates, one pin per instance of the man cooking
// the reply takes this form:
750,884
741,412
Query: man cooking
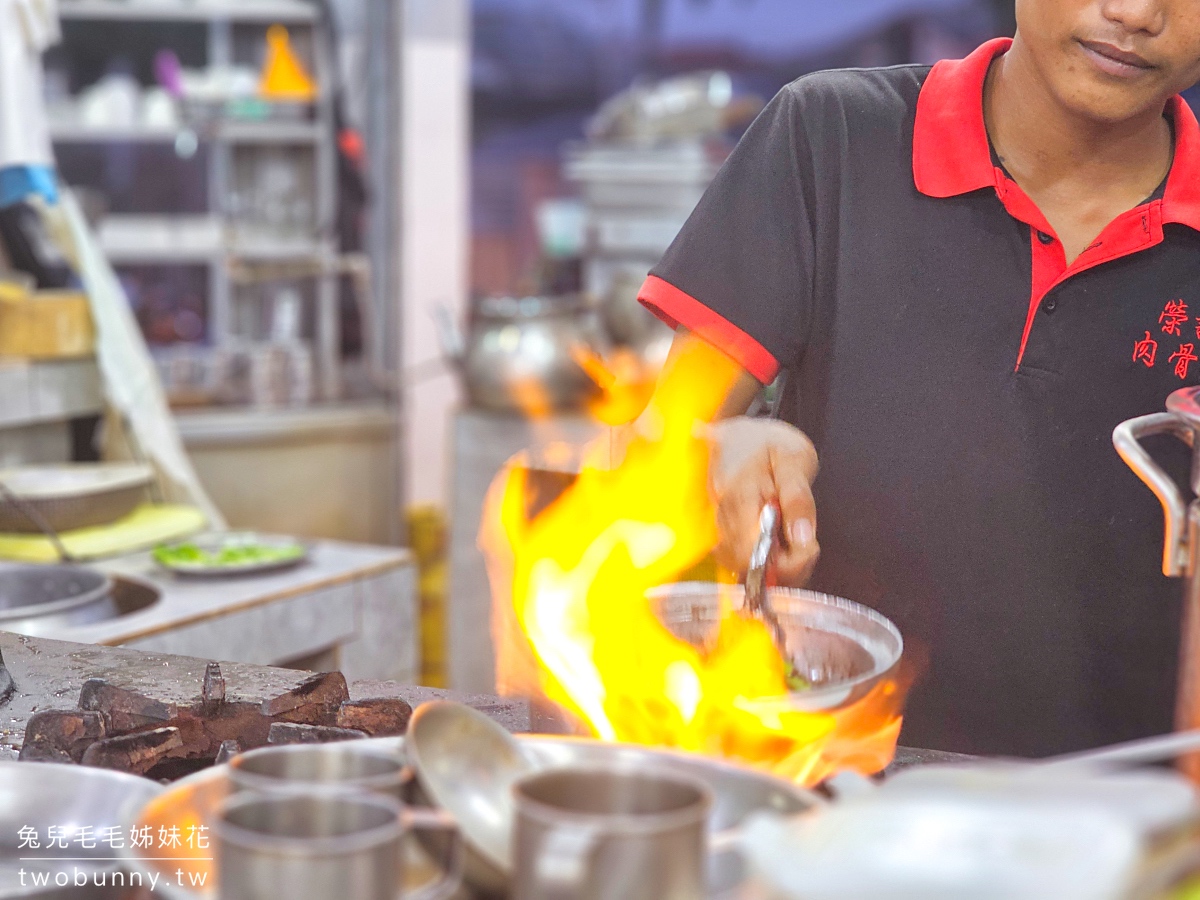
972,274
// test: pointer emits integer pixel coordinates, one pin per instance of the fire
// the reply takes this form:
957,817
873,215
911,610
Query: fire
580,572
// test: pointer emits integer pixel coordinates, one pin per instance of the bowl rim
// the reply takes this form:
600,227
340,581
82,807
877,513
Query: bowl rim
836,691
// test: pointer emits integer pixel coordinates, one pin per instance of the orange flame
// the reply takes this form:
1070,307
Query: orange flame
580,574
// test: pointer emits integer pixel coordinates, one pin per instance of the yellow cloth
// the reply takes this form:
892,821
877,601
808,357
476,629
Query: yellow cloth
145,527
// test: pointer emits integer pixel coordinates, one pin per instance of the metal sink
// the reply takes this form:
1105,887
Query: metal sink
33,613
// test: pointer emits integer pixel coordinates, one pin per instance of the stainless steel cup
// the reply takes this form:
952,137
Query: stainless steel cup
321,846
601,834
341,767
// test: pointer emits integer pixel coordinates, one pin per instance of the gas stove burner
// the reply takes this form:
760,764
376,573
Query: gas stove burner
115,727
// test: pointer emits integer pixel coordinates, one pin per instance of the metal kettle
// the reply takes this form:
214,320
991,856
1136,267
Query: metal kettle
1181,550
522,354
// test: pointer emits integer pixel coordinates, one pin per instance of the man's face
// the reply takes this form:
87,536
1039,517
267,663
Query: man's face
1112,60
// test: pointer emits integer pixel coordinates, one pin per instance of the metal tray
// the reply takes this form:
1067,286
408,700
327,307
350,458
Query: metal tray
738,792
215,542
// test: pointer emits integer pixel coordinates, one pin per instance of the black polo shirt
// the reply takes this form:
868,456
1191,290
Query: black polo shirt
961,383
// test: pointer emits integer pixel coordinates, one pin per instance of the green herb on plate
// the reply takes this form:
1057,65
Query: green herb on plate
189,555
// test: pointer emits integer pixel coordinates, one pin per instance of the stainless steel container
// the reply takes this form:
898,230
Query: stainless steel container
596,834
1181,548
319,768
323,846
309,847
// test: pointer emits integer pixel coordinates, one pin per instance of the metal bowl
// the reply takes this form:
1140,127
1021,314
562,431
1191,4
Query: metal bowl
67,497
842,648
38,796
35,599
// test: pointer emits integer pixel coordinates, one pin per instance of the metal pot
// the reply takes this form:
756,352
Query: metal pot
1181,552
41,599
521,355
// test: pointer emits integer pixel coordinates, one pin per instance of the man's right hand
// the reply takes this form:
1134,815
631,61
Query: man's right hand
755,462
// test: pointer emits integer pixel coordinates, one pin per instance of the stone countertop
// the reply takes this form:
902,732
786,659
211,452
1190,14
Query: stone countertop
189,599
48,674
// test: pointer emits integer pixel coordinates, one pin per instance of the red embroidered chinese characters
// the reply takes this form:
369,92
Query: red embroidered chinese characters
1183,357
1145,351
1174,314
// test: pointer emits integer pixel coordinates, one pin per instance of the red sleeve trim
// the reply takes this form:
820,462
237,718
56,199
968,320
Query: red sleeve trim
676,308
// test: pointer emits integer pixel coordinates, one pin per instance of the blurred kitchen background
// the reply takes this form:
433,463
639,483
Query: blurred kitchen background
375,247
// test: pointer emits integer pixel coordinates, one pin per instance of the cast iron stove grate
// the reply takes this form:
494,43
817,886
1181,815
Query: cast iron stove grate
113,727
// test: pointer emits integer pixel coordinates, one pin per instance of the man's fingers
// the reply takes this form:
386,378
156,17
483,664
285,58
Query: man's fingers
756,462
789,476
737,519
798,554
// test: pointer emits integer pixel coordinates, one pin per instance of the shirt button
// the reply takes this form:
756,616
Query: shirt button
1045,238
1049,305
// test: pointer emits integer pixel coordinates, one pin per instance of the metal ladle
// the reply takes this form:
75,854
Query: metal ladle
761,576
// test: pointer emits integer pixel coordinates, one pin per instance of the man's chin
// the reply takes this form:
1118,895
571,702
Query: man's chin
1106,105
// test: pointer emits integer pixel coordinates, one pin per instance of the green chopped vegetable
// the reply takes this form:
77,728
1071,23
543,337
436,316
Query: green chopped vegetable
795,681
229,555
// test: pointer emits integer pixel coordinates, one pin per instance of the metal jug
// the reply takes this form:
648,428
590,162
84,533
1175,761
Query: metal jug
1181,551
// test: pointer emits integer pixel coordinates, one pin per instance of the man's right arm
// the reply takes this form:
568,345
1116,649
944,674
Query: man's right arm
755,462
740,276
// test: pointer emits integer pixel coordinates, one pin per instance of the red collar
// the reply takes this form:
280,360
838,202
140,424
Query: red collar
952,155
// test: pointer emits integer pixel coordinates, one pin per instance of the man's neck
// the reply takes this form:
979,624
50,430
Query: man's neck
1081,172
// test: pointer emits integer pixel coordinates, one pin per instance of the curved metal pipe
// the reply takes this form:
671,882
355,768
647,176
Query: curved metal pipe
1126,439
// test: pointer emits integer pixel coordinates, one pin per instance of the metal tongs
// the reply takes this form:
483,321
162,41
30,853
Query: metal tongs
760,577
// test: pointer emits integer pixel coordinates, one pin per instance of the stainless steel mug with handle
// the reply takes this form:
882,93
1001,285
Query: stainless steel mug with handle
322,846
608,834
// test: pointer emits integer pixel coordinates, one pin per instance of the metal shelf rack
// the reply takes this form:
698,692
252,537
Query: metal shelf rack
224,247
285,12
